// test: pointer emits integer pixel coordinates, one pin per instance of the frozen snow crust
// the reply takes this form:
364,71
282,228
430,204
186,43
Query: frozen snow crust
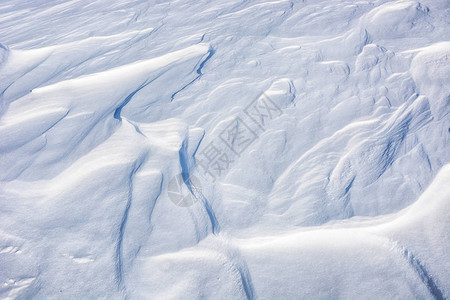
339,189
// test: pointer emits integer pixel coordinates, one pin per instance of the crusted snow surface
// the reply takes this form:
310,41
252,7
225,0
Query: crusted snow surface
224,149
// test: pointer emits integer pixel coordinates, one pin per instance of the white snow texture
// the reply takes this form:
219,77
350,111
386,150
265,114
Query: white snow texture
224,149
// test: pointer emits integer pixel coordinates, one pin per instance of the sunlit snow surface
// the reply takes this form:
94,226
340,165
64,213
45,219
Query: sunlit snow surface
324,127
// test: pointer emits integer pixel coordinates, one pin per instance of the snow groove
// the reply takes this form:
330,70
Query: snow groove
119,264
215,227
246,277
195,191
222,244
423,274
418,268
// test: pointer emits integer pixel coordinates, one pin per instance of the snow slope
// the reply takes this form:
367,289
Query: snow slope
224,149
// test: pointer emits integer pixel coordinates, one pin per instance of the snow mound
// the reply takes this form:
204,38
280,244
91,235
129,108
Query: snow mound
430,69
398,19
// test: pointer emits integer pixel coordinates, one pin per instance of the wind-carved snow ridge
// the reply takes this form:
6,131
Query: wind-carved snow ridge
127,99
186,162
199,72
225,149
